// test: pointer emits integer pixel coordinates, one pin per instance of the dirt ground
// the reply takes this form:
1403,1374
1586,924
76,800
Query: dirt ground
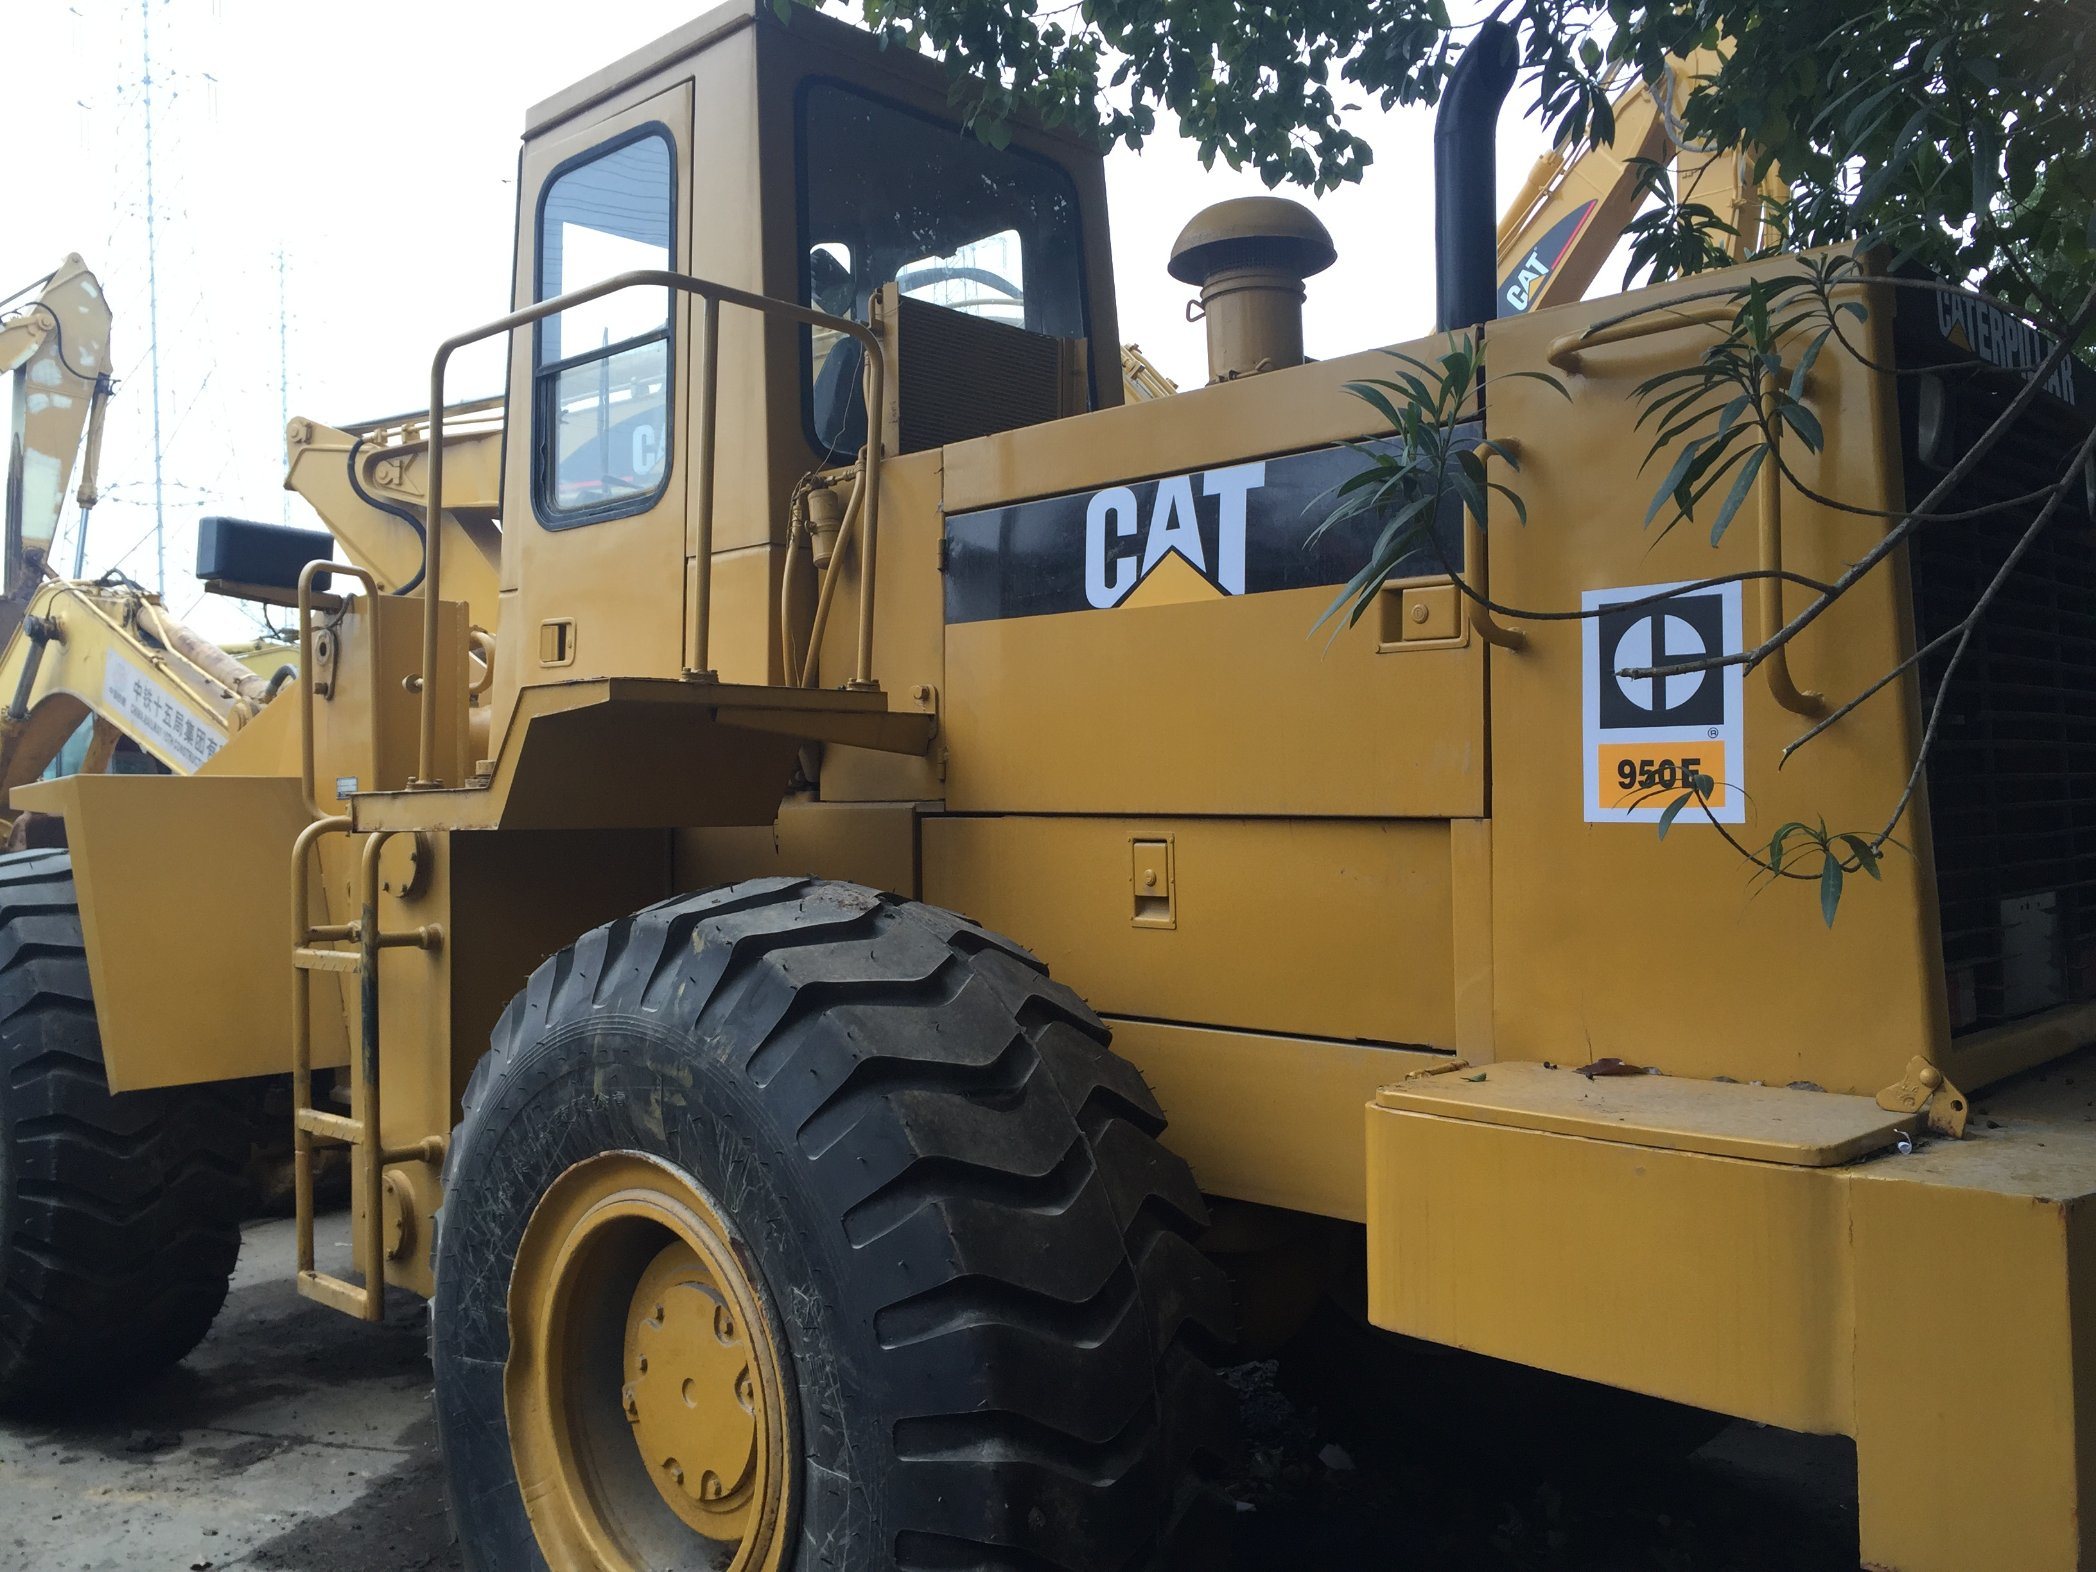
297,1441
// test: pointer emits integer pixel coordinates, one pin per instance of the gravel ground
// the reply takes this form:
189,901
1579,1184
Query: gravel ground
298,1441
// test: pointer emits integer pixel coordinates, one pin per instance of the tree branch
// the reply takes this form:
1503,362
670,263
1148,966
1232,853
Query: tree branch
1973,619
1897,535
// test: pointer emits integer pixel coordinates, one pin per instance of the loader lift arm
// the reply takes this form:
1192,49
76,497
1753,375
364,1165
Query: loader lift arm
369,483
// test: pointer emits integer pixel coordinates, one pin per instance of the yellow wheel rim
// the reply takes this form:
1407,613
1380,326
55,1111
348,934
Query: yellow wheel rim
649,1418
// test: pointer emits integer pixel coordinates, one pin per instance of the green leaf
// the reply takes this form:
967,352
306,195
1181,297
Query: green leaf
1514,499
1409,385
1804,423
1830,888
1672,811
1986,165
1675,477
1804,370
1741,485
1543,377
1904,147
1777,842
1373,396
1867,857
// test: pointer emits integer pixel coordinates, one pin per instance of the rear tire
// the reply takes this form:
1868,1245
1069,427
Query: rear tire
947,1190
119,1213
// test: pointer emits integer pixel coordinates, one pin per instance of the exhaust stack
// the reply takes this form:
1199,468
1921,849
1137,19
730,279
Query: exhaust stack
1466,196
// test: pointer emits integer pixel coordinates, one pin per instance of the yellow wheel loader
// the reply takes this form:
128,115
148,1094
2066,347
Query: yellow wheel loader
774,1214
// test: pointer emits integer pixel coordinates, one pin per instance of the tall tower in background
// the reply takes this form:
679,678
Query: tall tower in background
178,223
145,90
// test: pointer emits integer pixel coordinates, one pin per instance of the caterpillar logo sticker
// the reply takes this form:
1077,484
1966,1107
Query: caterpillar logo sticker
1972,338
1518,291
1206,535
1646,739
1979,328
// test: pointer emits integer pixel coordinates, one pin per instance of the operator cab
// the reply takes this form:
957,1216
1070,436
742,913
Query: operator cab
890,195
799,160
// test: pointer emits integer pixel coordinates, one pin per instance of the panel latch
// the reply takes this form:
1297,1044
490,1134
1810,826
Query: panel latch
1924,1089
1152,882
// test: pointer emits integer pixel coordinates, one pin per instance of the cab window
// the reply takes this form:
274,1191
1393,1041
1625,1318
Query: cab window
892,196
602,377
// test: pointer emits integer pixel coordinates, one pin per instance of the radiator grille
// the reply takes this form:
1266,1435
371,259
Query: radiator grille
2012,777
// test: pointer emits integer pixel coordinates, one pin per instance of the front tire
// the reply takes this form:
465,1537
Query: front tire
119,1212
871,1148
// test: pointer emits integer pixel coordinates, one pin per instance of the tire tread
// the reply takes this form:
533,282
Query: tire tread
119,1213
1038,1308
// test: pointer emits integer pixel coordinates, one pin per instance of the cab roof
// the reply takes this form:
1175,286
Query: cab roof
722,20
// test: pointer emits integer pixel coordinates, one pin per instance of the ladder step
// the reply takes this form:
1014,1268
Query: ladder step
336,1294
326,960
332,1127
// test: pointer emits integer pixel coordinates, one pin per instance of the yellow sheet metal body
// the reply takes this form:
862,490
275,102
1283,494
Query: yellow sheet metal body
1934,1306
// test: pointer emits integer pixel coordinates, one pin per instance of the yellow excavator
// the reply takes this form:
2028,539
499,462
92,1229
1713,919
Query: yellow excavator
1560,227
56,349
104,650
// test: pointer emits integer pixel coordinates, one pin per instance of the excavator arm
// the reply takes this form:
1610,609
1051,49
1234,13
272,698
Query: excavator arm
57,351
109,650
1571,211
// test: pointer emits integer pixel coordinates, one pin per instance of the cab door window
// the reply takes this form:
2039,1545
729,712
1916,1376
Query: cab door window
601,380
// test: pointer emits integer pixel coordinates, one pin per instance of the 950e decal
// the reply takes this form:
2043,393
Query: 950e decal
1646,739
1208,534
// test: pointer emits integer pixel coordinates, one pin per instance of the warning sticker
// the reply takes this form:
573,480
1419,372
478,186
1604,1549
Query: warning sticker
151,716
1646,739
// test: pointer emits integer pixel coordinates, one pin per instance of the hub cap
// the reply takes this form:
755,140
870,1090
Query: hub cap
649,1419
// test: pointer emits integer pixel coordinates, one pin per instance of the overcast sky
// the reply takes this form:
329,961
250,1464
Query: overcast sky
377,158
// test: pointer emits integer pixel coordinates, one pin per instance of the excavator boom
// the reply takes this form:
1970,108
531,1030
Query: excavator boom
1561,226
57,349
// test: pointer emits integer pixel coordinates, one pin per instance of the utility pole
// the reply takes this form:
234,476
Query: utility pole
283,380
145,15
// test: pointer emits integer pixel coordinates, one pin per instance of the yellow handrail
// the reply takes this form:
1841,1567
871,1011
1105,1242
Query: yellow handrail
715,295
1798,701
306,669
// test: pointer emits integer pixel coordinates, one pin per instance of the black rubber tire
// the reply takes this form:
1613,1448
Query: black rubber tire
119,1213
1018,1378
